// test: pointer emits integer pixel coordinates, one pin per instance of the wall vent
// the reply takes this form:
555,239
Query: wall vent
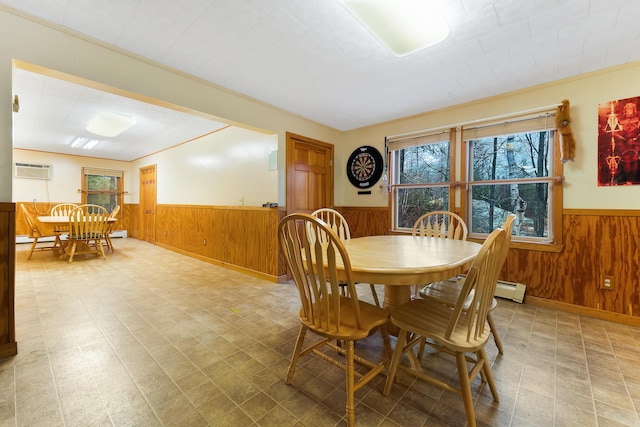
33,171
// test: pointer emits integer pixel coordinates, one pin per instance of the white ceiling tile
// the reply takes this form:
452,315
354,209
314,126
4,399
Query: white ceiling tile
314,59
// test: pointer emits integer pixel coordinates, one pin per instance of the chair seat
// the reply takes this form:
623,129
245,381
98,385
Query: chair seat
371,317
430,319
447,291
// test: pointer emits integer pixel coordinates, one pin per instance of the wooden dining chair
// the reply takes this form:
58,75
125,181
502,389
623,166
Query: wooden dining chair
110,226
325,311
439,224
444,224
460,330
447,291
87,228
62,209
339,225
36,234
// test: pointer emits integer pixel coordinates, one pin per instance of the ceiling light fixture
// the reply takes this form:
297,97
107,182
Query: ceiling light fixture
403,26
109,124
84,143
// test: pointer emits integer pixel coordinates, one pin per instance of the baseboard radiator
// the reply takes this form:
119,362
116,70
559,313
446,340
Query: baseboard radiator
26,239
510,290
506,290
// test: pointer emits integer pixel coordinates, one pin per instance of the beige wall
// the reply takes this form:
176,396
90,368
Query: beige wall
581,189
227,168
66,177
48,47
54,49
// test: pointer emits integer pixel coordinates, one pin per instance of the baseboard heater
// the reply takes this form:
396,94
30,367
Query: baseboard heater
507,290
510,290
26,239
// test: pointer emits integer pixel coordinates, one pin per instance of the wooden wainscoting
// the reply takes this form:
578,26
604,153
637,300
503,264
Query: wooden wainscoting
8,344
242,238
596,242
371,221
127,218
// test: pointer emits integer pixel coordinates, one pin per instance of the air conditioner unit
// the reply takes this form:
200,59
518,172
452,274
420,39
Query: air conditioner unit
33,171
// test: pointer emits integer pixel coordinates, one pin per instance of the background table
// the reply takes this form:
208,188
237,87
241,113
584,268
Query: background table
60,219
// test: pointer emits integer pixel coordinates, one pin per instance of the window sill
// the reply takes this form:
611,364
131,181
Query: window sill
528,246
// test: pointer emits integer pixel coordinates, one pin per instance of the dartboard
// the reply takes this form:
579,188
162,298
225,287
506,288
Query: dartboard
364,167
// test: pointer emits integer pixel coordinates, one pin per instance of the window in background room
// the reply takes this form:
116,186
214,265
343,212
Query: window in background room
510,170
420,178
102,187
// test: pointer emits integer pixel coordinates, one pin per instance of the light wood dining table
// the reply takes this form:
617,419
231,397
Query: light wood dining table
399,261
60,219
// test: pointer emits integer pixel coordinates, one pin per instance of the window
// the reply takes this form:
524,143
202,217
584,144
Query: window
506,167
420,177
102,187
510,170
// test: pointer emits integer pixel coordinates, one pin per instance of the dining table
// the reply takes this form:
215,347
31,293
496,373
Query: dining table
61,219
401,261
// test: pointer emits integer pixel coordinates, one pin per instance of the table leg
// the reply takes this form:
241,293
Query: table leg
395,296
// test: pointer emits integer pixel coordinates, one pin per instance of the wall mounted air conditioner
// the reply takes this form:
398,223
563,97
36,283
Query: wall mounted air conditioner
33,171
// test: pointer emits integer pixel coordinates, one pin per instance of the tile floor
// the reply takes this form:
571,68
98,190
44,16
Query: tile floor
153,338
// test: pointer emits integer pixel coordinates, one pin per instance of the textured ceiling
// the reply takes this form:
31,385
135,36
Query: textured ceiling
314,59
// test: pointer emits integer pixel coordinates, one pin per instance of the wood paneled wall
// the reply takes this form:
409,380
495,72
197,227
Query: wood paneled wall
596,242
367,221
8,345
126,218
244,238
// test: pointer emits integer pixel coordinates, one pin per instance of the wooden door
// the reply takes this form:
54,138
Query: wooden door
148,203
309,174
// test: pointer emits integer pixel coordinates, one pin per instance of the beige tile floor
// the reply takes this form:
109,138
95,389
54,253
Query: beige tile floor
153,338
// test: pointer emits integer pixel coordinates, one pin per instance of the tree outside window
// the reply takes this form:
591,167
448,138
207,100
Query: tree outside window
506,167
503,181
102,187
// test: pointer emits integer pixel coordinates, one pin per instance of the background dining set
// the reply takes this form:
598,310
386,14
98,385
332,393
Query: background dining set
441,308
75,229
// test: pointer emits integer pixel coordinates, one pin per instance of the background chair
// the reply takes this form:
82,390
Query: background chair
456,330
325,311
447,292
36,234
441,224
87,228
339,225
62,209
110,225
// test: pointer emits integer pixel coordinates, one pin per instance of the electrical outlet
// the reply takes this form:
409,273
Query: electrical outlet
607,282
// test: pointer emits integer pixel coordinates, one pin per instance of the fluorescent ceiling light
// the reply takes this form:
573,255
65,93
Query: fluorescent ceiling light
85,143
403,26
109,124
